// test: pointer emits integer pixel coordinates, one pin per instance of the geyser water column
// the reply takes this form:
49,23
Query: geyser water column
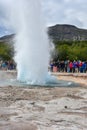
31,41
32,49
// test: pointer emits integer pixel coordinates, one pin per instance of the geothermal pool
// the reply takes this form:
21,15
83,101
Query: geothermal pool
9,78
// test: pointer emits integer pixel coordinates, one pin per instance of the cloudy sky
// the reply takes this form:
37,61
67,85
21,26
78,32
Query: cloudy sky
72,12
66,12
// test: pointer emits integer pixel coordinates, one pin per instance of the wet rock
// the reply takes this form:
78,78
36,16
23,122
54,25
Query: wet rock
65,107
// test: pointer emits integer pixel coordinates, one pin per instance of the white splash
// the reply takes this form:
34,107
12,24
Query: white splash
32,45
31,41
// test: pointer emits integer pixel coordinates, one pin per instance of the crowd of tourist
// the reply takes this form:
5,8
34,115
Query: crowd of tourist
7,65
58,66
68,66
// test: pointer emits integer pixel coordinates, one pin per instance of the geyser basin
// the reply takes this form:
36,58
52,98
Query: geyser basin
8,78
59,83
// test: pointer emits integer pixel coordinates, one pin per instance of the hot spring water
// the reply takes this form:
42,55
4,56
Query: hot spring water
32,45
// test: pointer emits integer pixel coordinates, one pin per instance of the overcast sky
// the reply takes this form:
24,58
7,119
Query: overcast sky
72,12
66,12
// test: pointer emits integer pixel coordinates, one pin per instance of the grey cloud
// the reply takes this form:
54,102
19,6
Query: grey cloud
58,12
66,11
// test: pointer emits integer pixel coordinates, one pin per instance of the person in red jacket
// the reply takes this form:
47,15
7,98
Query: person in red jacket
71,66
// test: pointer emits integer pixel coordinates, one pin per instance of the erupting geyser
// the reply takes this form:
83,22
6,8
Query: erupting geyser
32,45
31,40
32,51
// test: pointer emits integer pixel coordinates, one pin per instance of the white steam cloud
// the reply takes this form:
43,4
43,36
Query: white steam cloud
32,44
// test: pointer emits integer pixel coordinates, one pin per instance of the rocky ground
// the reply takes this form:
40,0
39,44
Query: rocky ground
44,108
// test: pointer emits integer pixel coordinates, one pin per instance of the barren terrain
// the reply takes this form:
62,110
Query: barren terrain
44,108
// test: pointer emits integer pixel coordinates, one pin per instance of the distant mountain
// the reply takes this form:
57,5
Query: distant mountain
59,32
67,33
7,38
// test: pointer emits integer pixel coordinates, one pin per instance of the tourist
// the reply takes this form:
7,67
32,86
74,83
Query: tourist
71,66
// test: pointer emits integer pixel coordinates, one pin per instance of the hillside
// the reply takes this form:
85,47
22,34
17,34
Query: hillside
70,43
6,47
7,38
67,33
59,32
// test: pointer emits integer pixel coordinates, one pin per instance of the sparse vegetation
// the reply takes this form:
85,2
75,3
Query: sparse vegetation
6,51
72,50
